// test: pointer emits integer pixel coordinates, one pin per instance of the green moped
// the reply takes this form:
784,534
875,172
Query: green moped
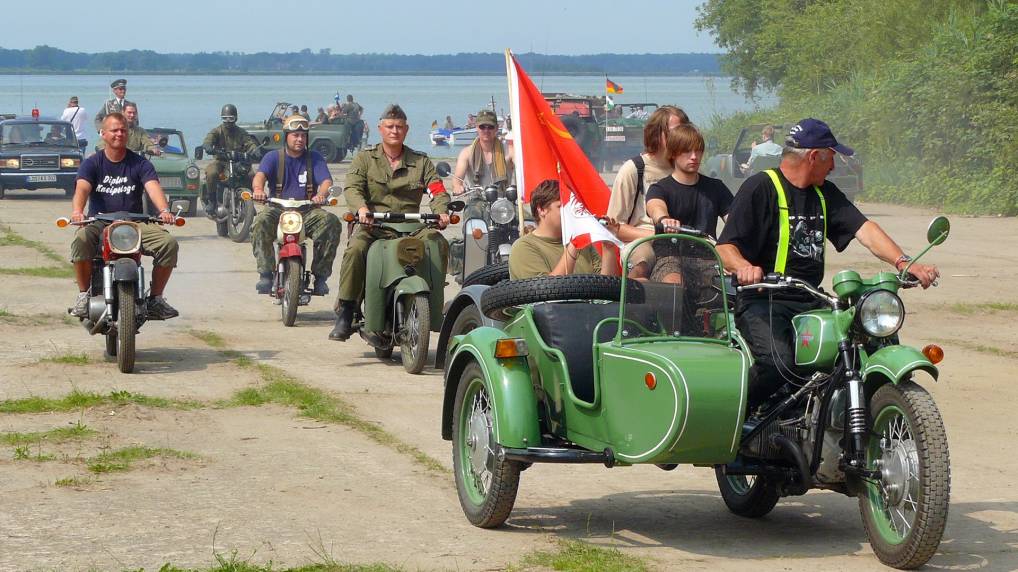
404,288
595,369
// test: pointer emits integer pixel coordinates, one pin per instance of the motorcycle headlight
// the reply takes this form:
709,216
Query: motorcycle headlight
125,238
491,194
290,222
242,168
502,212
880,313
510,193
191,172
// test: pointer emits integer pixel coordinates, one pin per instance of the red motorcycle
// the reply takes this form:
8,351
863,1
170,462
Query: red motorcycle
117,301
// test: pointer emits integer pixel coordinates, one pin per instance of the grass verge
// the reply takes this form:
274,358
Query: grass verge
283,389
58,435
73,482
576,556
983,308
41,271
68,359
121,459
981,348
11,238
84,400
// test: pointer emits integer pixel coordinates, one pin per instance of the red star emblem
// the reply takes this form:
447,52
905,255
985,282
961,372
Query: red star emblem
807,338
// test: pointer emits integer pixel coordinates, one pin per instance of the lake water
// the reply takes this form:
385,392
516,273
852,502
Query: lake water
191,103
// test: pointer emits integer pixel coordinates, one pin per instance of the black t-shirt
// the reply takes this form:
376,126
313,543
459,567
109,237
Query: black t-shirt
116,186
698,206
752,225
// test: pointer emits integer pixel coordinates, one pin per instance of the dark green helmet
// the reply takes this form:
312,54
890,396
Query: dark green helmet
229,113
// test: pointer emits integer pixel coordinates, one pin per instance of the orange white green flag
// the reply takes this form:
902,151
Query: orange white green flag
543,149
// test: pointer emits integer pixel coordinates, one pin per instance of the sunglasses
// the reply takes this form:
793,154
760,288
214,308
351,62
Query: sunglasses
486,127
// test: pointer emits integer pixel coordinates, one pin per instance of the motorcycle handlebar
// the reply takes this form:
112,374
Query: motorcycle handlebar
400,217
64,222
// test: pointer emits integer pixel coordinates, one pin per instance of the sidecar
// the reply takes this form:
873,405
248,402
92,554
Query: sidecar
596,369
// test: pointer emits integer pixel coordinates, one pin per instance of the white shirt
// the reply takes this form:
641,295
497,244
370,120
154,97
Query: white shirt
78,120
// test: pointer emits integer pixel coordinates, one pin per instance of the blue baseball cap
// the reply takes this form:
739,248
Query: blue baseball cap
815,134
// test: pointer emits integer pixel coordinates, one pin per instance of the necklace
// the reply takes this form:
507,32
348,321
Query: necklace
391,158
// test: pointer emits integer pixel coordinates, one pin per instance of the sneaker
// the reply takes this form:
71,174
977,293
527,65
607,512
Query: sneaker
159,309
264,285
80,308
321,286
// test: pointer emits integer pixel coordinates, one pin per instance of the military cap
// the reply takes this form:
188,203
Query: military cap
487,117
393,111
119,83
74,100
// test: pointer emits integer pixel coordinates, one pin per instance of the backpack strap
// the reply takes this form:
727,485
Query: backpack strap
640,166
280,169
309,175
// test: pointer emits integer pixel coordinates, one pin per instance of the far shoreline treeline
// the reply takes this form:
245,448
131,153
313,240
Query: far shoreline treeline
49,60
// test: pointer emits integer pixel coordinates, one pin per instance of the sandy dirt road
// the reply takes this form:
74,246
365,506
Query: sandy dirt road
274,486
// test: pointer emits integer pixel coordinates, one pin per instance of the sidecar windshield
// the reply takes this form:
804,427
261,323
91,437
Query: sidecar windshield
673,289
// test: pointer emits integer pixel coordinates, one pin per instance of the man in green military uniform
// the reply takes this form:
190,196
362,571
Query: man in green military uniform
225,137
137,138
352,112
115,104
388,177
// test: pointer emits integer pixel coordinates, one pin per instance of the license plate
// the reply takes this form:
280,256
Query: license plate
42,178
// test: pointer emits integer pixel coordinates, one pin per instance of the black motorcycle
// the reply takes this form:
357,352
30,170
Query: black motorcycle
233,216
490,227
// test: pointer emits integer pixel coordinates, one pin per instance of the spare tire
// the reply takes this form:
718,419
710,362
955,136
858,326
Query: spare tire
488,275
512,293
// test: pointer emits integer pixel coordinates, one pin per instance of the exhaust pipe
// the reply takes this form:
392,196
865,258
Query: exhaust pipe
793,452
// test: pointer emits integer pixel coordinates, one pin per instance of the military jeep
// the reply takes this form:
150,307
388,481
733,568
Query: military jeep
607,134
330,139
733,167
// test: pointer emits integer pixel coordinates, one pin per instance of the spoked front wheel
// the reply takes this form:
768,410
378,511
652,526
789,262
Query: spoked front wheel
240,215
416,332
126,326
905,511
747,495
291,280
486,485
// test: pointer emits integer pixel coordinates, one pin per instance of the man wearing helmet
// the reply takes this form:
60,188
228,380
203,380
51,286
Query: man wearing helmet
388,177
225,137
295,172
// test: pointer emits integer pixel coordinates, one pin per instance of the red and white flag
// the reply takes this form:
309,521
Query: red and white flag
543,149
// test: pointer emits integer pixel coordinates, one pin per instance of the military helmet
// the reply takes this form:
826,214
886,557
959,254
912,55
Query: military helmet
296,123
229,113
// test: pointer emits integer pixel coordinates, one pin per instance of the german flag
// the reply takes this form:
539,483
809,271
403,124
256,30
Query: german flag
611,87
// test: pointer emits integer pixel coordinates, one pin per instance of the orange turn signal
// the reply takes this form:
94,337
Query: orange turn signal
477,234
454,219
650,380
179,221
934,353
511,347
63,222
348,217
246,195
333,201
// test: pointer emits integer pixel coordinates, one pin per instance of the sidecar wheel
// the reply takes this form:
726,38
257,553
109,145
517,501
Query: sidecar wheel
488,275
748,496
510,293
240,217
291,291
486,485
416,332
905,511
126,311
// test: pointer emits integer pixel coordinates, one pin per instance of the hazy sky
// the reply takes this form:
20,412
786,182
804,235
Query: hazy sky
362,26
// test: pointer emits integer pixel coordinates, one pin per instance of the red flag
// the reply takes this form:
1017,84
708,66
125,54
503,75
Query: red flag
543,149
612,87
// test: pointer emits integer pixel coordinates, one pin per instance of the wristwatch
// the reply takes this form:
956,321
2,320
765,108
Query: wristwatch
903,258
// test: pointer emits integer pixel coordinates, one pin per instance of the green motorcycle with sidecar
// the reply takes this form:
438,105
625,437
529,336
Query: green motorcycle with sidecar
404,288
615,371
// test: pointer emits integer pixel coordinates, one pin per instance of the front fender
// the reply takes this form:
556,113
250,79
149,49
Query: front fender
514,404
124,270
289,250
411,285
894,363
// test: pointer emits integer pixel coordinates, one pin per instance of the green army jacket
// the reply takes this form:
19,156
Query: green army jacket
235,139
372,183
